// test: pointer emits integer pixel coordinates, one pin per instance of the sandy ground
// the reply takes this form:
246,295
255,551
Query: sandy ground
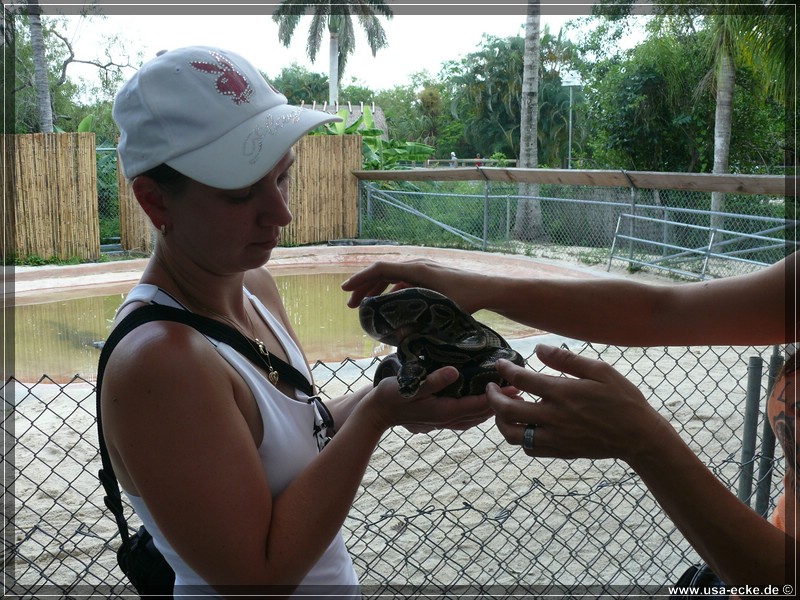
440,510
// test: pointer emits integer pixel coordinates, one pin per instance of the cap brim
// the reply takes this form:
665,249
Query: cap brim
249,151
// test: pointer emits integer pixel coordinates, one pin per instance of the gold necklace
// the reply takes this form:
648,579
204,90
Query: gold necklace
272,374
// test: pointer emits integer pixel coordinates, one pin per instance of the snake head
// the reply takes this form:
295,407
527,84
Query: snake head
410,377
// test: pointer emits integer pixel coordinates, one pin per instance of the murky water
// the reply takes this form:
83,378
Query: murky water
58,338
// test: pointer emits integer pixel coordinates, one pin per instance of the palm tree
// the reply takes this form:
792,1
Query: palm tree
758,38
528,224
337,17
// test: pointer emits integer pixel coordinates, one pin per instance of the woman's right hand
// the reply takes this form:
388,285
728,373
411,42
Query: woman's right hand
425,412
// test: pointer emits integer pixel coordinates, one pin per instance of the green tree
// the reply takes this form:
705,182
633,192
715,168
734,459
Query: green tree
643,111
558,56
71,100
357,93
300,85
486,88
337,18
7,54
419,112
757,34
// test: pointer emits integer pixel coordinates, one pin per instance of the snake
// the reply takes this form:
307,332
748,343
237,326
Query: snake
429,331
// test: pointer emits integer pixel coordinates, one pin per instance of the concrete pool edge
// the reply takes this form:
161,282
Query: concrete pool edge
37,284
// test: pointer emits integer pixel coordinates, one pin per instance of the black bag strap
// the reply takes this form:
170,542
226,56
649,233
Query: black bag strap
210,327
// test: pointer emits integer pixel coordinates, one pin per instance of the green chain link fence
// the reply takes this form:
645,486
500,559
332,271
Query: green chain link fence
661,230
108,196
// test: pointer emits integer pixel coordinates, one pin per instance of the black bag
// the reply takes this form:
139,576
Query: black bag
703,579
145,566
137,556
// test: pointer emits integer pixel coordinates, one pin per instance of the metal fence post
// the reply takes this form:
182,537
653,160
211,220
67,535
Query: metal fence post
765,470
362,186
485,209
368,212
632,231
485,215
508,218
708,252
754,369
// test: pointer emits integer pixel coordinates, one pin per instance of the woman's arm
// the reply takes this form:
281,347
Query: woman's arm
173,415
261,282
602,415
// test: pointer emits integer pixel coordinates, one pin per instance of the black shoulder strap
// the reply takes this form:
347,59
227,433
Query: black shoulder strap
210,327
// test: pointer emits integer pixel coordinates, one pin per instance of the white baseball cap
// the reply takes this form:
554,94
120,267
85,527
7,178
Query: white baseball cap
209,114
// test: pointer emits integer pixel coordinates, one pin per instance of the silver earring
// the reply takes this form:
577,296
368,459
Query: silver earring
163,230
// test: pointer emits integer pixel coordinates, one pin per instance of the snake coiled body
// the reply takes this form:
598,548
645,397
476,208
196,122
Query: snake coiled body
430,331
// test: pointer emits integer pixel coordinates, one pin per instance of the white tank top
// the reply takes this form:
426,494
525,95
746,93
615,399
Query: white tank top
288,446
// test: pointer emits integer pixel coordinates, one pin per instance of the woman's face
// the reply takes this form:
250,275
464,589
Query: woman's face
229,231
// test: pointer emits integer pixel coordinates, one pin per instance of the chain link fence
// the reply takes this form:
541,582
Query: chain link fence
108,196
453,514
447,514
651,229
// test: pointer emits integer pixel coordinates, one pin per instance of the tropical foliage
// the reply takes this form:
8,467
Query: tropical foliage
649,107
72,100
379,153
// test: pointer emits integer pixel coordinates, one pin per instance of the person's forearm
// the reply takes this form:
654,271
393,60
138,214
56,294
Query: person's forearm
604,310
736,311
740,546
744,310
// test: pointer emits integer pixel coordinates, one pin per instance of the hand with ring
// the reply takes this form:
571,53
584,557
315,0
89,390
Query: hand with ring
593,413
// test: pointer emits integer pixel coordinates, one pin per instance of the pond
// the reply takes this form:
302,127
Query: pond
59,338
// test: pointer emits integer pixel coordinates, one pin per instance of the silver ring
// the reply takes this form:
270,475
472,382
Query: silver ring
527,437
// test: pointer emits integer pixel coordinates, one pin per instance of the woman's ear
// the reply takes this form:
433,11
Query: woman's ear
152,200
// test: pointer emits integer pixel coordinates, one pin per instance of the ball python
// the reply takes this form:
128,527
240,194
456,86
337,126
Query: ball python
430,331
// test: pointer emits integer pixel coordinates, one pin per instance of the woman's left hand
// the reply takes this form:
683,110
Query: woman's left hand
596,413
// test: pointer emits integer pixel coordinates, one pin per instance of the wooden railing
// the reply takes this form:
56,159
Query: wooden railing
773,185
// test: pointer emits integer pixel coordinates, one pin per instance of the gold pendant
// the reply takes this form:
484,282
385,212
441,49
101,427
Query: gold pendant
273,376
261,348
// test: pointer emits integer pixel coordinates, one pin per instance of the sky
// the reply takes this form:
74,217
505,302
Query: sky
416,42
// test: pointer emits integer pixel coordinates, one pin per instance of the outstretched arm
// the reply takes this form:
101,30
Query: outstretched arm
748,309
573,421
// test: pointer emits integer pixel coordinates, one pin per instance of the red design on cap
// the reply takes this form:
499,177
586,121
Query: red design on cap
230,81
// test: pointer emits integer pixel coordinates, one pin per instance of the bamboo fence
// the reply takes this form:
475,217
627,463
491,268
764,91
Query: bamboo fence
135,229
323,194
50,205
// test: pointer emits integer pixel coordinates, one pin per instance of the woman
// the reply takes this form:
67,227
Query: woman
597,413
216,454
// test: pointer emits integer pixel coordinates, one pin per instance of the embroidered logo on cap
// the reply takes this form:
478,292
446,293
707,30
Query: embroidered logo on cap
254,142
230,82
